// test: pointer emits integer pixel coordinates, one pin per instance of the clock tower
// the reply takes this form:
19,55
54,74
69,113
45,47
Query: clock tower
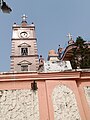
24,55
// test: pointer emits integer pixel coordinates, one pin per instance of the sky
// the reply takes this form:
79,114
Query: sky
53,20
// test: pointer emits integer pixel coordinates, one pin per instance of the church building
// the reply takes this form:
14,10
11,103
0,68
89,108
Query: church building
36,89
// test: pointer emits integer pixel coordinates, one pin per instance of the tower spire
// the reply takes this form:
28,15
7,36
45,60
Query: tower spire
24,22
71,41
24,18
69,36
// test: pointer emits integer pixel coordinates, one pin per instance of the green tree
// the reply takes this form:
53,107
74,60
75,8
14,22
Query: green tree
80,54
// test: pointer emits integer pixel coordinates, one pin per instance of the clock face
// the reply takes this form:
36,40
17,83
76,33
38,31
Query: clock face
24,35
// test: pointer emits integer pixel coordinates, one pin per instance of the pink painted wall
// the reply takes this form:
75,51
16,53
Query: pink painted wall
46,82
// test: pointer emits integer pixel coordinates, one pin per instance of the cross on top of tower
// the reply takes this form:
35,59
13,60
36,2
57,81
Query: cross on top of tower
69,36
24,18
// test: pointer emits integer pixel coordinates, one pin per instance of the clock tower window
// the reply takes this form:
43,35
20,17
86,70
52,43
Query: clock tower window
24,67
24,51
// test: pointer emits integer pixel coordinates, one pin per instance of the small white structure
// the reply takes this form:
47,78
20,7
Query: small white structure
57,66
54,64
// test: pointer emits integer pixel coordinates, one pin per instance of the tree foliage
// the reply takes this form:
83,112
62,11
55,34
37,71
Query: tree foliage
80,54
4,7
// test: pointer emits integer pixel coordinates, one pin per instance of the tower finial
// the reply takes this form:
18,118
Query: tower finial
69,36
71,41
24,18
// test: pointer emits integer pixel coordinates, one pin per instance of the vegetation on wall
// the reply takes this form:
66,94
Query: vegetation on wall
80,54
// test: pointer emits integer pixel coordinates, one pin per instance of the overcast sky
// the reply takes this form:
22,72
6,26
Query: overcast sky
53,19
